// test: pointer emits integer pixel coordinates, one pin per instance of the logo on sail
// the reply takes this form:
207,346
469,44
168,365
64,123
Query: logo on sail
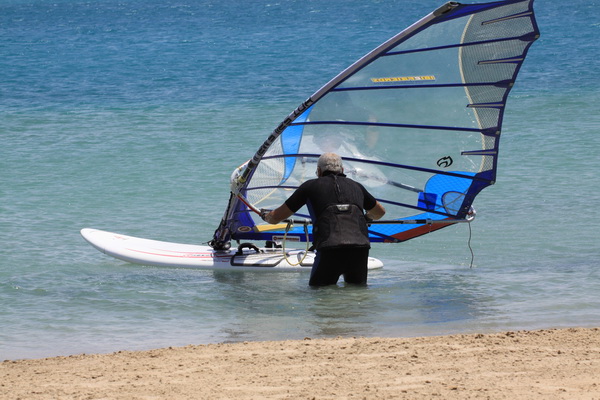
445,162
404,79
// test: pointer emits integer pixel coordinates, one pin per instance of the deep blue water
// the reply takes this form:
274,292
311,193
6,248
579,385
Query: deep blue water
130,116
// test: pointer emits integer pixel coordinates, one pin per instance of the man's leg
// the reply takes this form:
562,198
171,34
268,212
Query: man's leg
355,262
325,270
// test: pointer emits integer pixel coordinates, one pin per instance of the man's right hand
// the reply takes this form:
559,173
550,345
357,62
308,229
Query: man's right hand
264,213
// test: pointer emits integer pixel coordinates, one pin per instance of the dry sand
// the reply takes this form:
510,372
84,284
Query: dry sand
545,364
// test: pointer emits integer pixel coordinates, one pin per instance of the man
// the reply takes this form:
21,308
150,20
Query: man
340,235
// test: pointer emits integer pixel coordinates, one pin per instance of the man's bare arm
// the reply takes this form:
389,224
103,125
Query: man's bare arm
277,215
376,212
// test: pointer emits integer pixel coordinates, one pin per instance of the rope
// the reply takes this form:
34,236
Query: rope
469,244
287,228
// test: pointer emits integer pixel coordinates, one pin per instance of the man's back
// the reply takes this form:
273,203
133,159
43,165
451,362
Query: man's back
330,189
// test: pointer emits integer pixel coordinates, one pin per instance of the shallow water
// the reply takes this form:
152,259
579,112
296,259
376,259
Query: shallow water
129,116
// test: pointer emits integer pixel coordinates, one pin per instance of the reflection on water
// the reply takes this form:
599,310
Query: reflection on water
397,302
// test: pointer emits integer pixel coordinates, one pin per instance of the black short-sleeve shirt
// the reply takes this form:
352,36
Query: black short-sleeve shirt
318,193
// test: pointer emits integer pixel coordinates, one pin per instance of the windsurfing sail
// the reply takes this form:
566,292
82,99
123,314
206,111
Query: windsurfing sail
417,121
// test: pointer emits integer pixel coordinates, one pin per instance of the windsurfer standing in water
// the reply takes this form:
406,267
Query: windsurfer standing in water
340,234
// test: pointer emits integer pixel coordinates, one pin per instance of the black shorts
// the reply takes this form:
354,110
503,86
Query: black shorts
330,264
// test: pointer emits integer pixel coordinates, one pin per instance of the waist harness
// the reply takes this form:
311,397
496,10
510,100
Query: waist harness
341,224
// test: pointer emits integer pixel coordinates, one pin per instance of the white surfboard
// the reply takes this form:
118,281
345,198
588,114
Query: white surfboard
167,254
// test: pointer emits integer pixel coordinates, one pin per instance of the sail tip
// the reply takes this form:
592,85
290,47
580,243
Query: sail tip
449,6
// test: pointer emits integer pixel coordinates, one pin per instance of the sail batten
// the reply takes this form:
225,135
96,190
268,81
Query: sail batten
508,17
526,37
417,121
390,125
314,158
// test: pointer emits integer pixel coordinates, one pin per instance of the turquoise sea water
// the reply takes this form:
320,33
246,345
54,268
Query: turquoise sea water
130,115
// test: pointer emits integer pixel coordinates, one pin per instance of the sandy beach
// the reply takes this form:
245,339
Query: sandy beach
544,364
